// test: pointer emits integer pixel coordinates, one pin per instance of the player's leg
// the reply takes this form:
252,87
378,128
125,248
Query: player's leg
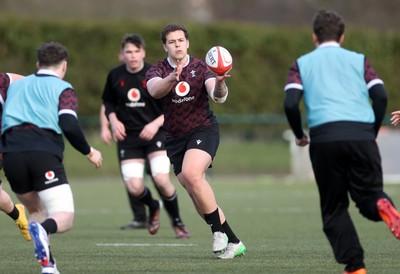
138,211
137,207
132,171
15,211
331,163
366,187
34,172
160,169
192,177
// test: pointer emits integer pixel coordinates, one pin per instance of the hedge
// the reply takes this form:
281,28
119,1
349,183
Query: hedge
261,55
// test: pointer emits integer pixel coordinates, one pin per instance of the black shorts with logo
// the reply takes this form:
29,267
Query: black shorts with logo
133,147
205,138
33,171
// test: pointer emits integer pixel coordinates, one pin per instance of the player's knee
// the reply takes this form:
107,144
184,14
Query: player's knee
160,165
58,199
132,170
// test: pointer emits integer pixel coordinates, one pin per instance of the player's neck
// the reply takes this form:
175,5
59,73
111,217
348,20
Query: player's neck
136,69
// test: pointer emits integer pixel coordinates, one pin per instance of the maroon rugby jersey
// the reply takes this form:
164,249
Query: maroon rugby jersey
186,106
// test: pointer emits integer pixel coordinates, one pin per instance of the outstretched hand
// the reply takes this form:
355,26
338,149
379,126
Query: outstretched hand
395,120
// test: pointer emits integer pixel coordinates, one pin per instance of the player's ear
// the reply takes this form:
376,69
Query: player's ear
341,39
165,47
37,65
315,39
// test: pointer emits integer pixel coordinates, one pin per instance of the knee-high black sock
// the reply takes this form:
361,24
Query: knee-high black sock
172,208
148,200
137,207
213,220
231,236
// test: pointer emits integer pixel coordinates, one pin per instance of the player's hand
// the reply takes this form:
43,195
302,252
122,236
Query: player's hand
305,140
118,130
221,78
149,131
177,70
395,120
95,157
105,135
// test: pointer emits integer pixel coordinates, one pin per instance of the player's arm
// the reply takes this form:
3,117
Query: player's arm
150,130
377,94
379,103
105,133
217,88
71,129
292,111
110,102
159,87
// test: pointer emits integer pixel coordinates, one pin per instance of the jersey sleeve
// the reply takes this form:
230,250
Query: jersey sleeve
370,76
294,79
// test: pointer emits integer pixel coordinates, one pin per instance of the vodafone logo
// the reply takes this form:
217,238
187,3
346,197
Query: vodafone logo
50,175
134,95
182,89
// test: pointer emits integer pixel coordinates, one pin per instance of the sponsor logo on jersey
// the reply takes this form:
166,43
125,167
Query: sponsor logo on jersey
198,141
134,97
182,89
51,177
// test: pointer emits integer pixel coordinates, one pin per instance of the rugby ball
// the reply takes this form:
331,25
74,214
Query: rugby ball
219,60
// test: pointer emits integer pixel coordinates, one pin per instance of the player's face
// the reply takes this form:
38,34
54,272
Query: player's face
176,45
133,57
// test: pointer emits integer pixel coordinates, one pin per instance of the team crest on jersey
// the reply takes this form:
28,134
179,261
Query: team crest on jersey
51,177
134,95
182,89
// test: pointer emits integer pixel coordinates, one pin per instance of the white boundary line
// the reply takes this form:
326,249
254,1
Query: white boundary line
124,244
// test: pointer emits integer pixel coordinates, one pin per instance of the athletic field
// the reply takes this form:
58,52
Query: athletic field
278,221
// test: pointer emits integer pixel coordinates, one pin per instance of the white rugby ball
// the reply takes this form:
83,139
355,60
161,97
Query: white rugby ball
219,60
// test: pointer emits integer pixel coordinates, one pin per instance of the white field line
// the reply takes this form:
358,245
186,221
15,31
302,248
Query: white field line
124,244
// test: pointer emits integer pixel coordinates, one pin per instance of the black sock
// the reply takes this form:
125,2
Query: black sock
51,257
50,226
231,236
137,207
171,206
148,200
14,214
213,220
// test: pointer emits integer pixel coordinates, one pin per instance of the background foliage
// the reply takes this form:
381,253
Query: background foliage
262,55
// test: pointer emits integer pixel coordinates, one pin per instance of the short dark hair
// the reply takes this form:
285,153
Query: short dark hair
51,53
328,25
135,39
171,28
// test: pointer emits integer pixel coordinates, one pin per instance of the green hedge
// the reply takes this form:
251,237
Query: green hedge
261,54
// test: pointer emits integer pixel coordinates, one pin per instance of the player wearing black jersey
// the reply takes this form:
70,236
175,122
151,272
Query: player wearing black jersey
183,83
137,121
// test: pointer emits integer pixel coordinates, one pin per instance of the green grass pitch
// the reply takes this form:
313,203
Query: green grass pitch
278,221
